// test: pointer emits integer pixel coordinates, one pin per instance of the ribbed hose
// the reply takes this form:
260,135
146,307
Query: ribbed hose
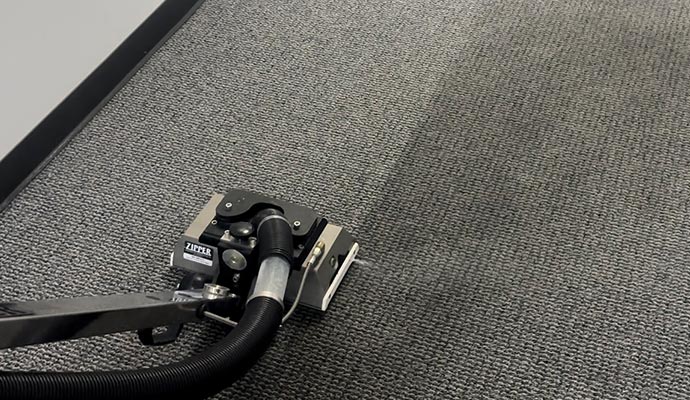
197,377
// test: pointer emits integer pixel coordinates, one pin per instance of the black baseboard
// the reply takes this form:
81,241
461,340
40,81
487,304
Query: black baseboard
55,130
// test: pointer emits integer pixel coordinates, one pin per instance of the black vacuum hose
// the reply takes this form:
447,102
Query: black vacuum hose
198,377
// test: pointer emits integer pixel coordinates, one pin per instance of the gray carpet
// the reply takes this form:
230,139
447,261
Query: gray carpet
518,173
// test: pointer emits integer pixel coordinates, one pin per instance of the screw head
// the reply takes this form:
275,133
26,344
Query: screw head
228,205
296,224
214,222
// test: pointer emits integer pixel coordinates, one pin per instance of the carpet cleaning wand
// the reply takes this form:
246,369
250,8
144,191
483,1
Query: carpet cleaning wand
242,257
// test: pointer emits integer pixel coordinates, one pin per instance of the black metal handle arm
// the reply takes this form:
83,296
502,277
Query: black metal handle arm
45,321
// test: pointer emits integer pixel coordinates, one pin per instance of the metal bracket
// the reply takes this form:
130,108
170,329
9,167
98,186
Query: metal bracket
324,278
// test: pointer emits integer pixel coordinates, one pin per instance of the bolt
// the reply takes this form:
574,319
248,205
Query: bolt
159,330
228,205
214,222
296,224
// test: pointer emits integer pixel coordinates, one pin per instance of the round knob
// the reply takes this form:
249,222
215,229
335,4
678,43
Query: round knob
234,259
241,229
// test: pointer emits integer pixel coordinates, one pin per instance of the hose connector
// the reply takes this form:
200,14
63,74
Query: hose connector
272,279
274,234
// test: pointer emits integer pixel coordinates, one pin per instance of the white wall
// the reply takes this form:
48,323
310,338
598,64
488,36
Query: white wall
48,47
